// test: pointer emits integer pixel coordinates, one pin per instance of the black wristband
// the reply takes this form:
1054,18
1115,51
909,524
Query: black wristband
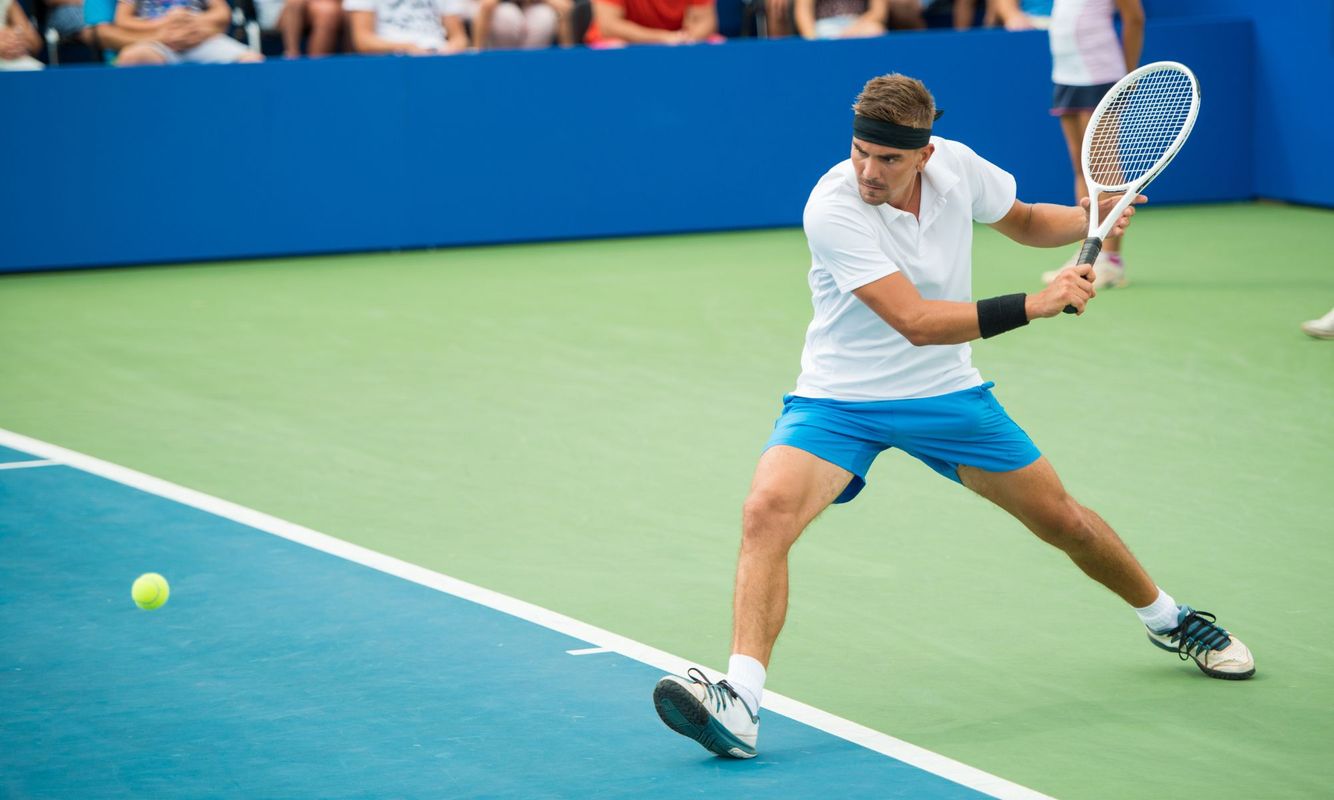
996,315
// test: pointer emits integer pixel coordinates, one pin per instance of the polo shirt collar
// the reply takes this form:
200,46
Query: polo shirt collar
937,181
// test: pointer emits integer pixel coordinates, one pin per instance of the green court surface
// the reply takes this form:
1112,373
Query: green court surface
575,424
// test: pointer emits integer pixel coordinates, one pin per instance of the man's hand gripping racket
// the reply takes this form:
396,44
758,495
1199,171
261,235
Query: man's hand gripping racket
1134,133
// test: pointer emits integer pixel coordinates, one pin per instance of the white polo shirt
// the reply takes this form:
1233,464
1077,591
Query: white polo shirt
851,353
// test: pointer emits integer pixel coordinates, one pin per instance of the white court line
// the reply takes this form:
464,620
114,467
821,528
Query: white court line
45,462
918,757
588,651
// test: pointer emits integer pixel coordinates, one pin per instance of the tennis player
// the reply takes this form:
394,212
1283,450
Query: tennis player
887,365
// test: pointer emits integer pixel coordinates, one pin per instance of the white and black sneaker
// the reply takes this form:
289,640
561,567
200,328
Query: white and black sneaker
712,714
1200,638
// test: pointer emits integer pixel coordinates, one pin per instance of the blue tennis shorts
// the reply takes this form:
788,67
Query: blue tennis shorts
961,428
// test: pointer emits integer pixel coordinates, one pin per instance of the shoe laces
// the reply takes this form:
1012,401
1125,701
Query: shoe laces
1198,633
721,694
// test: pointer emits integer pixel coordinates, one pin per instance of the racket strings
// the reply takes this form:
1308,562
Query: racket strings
1140,126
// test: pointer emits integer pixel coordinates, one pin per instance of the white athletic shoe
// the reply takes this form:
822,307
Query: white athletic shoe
1322,328
1216,652
1106,275
712,714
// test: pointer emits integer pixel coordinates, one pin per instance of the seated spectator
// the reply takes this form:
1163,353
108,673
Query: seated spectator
841,19
90,22
618,22
526,24
19,41
181,31
411,27
324,19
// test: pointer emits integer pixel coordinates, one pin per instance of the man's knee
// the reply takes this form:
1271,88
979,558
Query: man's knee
1067,524
770,518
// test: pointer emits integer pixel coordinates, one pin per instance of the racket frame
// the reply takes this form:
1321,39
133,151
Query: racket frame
1098,229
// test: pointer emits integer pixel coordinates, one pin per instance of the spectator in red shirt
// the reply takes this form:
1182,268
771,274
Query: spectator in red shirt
618,22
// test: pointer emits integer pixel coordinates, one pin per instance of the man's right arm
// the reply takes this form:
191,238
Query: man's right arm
843,242
896,301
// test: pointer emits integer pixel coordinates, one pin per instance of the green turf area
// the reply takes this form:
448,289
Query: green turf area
575,424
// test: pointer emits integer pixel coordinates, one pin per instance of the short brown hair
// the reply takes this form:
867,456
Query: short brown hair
898,99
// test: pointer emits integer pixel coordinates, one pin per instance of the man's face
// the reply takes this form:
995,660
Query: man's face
886,174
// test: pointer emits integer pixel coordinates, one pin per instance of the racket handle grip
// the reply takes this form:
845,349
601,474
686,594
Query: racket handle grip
1089,252
1087,255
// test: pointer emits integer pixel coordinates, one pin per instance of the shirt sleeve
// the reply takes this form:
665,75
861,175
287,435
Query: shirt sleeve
450,8
993,188
842,241
359,5
699,2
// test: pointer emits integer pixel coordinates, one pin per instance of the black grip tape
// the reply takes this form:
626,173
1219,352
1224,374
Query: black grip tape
1089,252
1087,255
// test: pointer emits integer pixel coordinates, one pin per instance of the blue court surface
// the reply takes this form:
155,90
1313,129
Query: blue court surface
280,670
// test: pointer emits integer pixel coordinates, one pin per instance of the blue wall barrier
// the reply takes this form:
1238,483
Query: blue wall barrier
351,154
1293,123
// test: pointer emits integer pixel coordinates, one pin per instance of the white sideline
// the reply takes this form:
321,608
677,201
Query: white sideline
45,462
845,729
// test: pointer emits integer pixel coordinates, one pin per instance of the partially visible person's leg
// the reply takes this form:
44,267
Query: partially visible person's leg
1109,271
291,24
539,28
508,26
1073,125
500,22
142,54
483,14
220,49
779,14
1037,498
791,486
326,19
565,21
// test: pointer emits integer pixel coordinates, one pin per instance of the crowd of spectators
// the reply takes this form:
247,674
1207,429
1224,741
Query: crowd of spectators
155,32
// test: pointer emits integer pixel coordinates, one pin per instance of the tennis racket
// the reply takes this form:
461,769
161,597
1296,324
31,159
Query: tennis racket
1137,129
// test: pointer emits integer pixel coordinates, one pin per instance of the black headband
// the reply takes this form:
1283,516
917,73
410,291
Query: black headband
891,135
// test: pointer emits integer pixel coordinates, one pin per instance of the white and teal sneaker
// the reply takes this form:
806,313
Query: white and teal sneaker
712,714
1216,652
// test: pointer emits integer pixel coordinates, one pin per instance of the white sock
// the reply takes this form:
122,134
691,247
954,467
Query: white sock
746,675
1161,614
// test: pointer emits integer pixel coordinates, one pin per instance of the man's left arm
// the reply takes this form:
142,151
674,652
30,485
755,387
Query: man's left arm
1049,225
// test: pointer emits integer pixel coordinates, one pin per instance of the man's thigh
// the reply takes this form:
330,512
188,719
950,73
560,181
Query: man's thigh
1034,494
797,482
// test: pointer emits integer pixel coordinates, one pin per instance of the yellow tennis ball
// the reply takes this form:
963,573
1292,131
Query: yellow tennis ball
150,591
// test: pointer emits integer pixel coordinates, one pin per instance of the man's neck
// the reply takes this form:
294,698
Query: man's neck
912,200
